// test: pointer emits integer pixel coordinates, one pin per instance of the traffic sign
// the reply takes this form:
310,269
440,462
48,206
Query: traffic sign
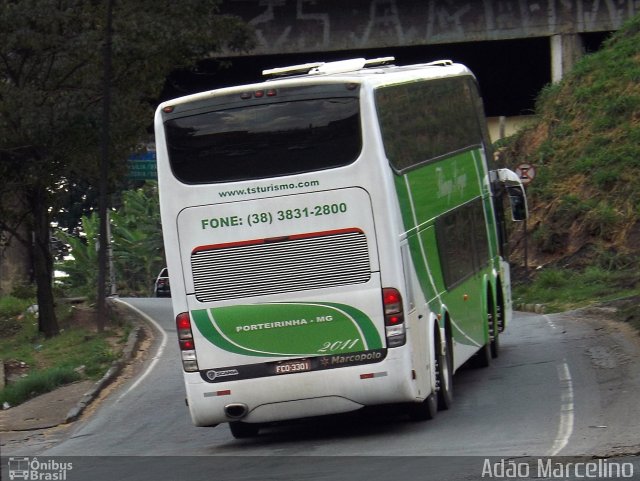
526,172
143,166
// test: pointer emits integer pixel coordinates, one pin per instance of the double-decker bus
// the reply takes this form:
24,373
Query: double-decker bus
336,239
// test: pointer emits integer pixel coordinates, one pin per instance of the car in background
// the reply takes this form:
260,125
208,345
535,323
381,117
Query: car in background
162,287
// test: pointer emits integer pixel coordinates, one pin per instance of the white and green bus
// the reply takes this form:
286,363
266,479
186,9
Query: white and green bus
335,238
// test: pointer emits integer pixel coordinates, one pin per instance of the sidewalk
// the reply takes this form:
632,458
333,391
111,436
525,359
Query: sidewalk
66,403
48,410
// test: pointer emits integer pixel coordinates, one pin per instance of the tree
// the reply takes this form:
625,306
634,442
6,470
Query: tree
138,249
51,92
81,271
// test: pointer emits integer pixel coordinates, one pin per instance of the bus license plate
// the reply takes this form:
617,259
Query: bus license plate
288,367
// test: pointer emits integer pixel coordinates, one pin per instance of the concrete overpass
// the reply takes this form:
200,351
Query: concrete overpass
305,26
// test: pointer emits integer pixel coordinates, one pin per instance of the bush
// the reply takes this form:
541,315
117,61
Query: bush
37,383
52,362
11,306
24,291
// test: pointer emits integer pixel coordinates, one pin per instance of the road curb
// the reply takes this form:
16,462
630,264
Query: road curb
133,341
536,308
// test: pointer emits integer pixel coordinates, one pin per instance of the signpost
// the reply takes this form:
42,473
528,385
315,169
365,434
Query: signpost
527,173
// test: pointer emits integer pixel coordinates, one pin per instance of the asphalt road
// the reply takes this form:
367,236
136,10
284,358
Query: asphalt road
564,385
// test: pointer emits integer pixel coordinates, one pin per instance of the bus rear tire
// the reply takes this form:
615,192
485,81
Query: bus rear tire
425,410
241,430
495,346
444,377
482,358
493,327
497,329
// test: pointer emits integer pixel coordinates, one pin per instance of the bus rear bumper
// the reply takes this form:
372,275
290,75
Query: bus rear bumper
295,396
300,408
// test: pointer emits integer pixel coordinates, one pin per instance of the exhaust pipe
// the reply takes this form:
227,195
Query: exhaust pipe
236,411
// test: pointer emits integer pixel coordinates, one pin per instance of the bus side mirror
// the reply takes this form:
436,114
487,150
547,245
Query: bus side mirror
518,201
517,196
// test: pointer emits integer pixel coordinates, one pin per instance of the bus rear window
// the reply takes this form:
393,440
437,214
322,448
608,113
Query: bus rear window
260,140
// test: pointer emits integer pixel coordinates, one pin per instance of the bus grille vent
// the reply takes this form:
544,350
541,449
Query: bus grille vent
267,268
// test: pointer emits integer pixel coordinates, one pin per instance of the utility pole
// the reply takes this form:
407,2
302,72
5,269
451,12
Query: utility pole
112,270
104,170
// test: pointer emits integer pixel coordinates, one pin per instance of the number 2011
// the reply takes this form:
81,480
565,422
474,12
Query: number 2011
338,345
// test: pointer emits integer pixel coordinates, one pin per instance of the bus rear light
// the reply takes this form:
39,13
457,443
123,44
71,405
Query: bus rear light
190,366
395,332
183,326
258,94
189,362
185,339
189,355
393,317
392,300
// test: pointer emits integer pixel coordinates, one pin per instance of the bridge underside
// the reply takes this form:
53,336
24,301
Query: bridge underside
299,26
510,73
514,47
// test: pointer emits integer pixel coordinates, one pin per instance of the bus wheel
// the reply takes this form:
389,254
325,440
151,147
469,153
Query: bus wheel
494,333
428,408
242,430
483,356
424,410
444,376
495,345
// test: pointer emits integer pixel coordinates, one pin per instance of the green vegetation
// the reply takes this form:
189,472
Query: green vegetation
40,382
584,229
138,251
36,364
564,289
52,118
51,121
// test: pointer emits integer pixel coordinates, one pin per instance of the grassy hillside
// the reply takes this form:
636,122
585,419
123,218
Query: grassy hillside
584,229
585,199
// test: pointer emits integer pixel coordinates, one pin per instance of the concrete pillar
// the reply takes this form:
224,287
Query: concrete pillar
566,49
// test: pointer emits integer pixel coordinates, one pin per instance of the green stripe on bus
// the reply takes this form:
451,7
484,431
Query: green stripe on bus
288,329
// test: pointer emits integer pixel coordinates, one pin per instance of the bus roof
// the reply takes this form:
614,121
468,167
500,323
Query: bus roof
375,72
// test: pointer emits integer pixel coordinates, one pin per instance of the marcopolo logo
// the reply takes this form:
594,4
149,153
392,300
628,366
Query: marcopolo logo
353,359
362,357
38,470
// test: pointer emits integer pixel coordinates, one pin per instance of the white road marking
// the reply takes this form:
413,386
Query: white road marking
565,427
550,322
156,358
